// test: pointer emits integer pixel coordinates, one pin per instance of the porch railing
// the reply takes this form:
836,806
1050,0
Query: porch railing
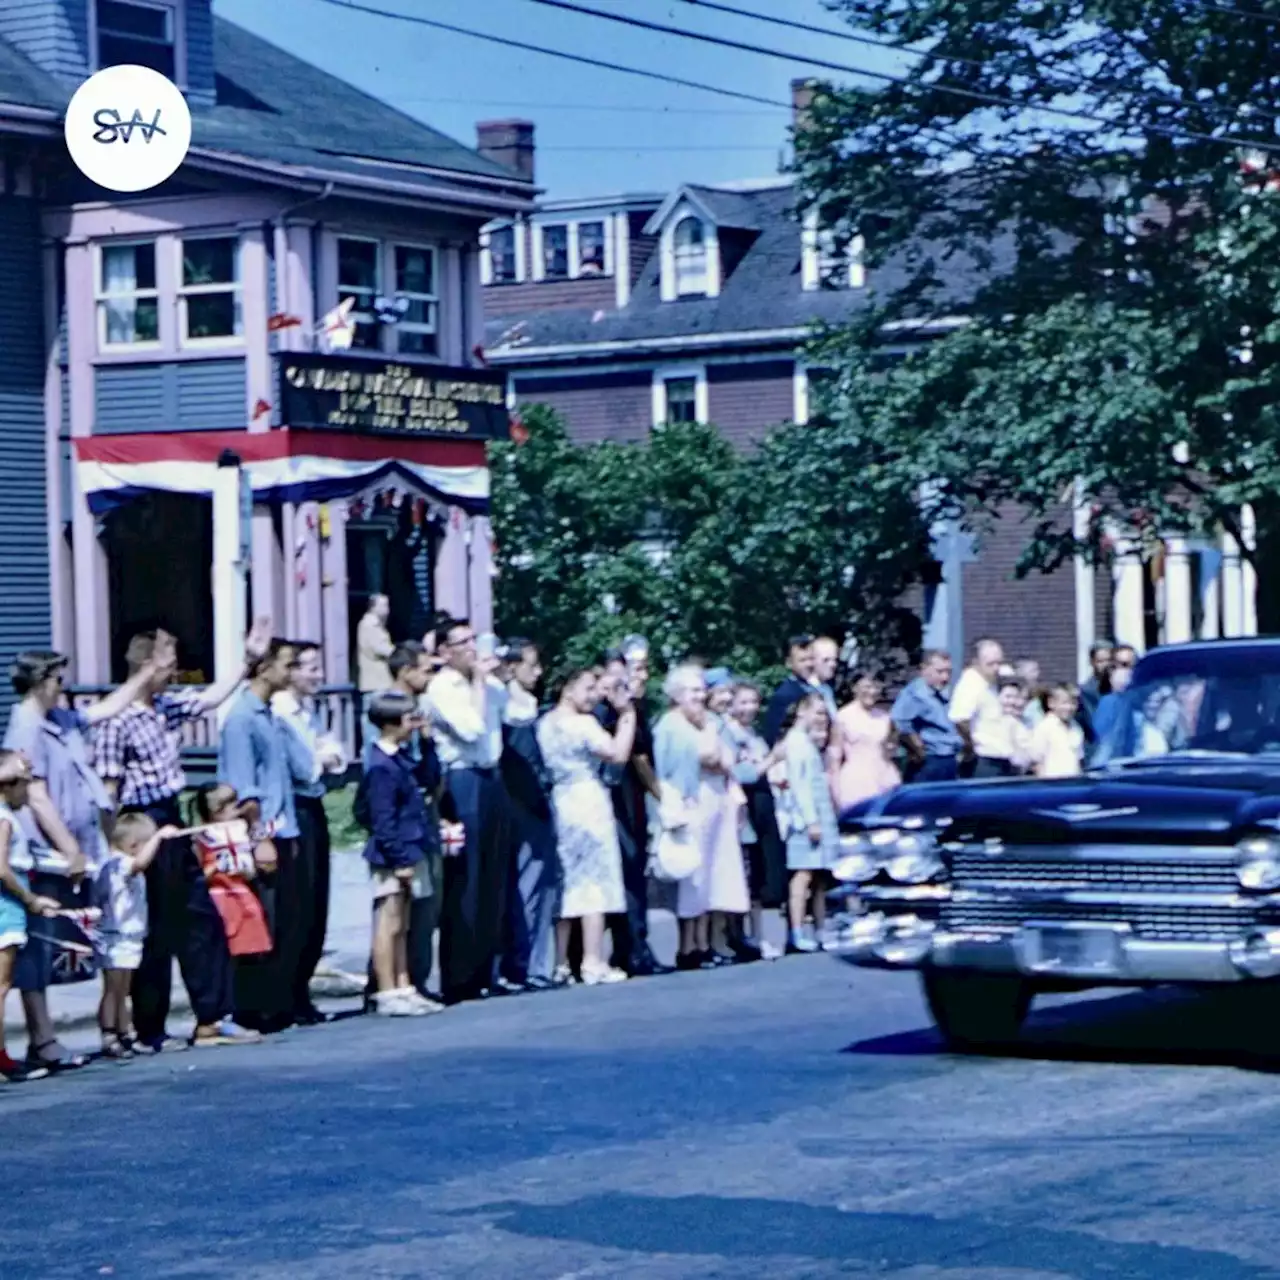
338,704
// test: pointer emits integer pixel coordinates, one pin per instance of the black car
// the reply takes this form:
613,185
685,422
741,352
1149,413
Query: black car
1159,864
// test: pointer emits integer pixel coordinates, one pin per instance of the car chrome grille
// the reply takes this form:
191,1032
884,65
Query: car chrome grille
987,884
1147,875
1155,924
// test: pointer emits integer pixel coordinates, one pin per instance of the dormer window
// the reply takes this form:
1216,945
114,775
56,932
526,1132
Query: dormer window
591,260
828,264
555,253
502,254
132,32
690,248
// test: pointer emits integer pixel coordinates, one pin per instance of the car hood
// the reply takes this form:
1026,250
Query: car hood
1170,799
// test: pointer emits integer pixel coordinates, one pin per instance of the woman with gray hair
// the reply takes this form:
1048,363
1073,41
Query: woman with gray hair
690,756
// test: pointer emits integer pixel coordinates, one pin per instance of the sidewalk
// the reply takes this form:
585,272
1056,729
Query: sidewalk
75,1007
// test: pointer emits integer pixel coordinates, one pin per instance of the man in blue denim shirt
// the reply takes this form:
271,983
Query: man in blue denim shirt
921,719
263,760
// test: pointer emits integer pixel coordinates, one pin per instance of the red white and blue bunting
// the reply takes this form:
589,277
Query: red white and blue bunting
282,466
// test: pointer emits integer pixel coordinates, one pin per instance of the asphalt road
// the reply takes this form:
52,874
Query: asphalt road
789,1120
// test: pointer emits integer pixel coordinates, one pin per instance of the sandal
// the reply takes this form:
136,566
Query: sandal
14,1072
114,1047
65,1061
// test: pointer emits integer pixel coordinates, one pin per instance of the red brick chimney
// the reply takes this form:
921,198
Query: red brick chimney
507,142
803,93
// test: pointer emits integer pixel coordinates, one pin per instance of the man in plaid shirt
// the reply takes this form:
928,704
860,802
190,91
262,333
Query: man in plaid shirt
138,756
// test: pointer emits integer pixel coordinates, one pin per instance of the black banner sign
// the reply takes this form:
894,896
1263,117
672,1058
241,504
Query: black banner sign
392,398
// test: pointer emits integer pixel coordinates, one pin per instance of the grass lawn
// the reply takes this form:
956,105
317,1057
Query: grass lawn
344,831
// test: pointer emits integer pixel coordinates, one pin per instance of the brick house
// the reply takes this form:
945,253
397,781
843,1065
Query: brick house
623,313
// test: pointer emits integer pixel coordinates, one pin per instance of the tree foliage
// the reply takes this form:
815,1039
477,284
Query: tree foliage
1119,273
705,550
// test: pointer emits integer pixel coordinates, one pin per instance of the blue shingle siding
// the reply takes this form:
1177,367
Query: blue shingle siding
24,548
186,395
54,34
200,78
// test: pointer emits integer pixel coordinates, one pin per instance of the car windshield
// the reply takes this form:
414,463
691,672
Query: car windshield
1204,700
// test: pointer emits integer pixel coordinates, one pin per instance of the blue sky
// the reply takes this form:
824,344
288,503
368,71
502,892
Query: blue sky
598,132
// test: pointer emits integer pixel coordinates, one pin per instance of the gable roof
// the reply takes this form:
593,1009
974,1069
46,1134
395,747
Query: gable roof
722,206
761,300
296,122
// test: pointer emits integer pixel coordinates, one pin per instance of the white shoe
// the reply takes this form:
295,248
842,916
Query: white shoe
769,952
395,1004
596,975
423,1002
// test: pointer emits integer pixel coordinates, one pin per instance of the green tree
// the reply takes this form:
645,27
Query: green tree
1119,272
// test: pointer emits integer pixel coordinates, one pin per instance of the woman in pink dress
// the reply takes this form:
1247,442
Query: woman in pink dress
866,742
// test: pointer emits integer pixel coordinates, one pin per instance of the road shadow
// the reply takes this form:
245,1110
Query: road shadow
755,1229
1164,1026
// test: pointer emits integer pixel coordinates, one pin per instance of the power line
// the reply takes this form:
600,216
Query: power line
509,43
595,106
1272,18
972,95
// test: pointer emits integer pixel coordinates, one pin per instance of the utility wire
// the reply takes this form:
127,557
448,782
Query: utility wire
555,53
972,95
1272,18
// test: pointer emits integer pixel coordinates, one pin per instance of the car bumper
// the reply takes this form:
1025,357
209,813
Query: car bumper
909,939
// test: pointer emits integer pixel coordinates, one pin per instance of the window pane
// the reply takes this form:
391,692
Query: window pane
413,342
127,268
591,249
209,261
358,264
213,315
689,233
421,312
415,270
555,253
116,51
682,399
132,320
502,255
366,337
121,18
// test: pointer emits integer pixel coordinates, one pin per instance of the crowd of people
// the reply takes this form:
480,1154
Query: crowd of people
514,844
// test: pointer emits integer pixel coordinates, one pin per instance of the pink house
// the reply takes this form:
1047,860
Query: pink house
193,414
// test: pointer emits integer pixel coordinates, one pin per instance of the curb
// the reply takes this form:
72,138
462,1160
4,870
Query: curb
328,984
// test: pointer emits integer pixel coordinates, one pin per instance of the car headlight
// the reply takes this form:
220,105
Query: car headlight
858,861
1258,864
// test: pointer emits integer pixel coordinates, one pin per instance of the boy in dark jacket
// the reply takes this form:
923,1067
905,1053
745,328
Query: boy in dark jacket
396,852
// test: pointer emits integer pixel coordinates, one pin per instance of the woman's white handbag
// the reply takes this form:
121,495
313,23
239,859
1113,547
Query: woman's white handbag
676,855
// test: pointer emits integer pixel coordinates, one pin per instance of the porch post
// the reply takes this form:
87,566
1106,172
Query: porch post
1248,574
1177,591
231,538
1086,620
335,629
1129,606
481,569
92,618
1232,588
451,584
266,567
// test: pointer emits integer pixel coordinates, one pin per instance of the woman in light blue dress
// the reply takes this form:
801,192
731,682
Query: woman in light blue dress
813,838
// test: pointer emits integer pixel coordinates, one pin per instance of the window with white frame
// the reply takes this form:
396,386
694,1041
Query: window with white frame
127,298
689,242
415,278
840,266
500,246
591,249
138,34
555,252
209,308
680,398
360,277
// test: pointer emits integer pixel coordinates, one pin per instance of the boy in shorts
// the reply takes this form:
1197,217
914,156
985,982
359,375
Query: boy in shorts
122,895
396,852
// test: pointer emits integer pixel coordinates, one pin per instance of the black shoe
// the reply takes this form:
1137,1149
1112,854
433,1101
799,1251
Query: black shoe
708,960
12,1072
506,987
746,952
308,1015
689,960
542,984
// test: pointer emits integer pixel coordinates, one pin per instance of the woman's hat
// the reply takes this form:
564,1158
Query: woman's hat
718,677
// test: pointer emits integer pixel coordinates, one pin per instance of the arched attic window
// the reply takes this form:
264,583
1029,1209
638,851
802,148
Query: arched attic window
689,241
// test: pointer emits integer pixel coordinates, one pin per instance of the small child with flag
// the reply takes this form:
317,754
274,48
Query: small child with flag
122,931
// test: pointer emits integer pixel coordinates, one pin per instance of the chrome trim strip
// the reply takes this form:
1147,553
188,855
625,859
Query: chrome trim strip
1043,895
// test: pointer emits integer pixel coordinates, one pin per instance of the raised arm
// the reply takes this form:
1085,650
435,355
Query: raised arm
255,645
121,698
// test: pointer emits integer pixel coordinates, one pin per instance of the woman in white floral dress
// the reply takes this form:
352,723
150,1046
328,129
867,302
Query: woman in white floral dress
574,745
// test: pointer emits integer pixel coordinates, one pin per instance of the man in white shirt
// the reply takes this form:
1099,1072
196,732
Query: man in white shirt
976,713
374,647
473,907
